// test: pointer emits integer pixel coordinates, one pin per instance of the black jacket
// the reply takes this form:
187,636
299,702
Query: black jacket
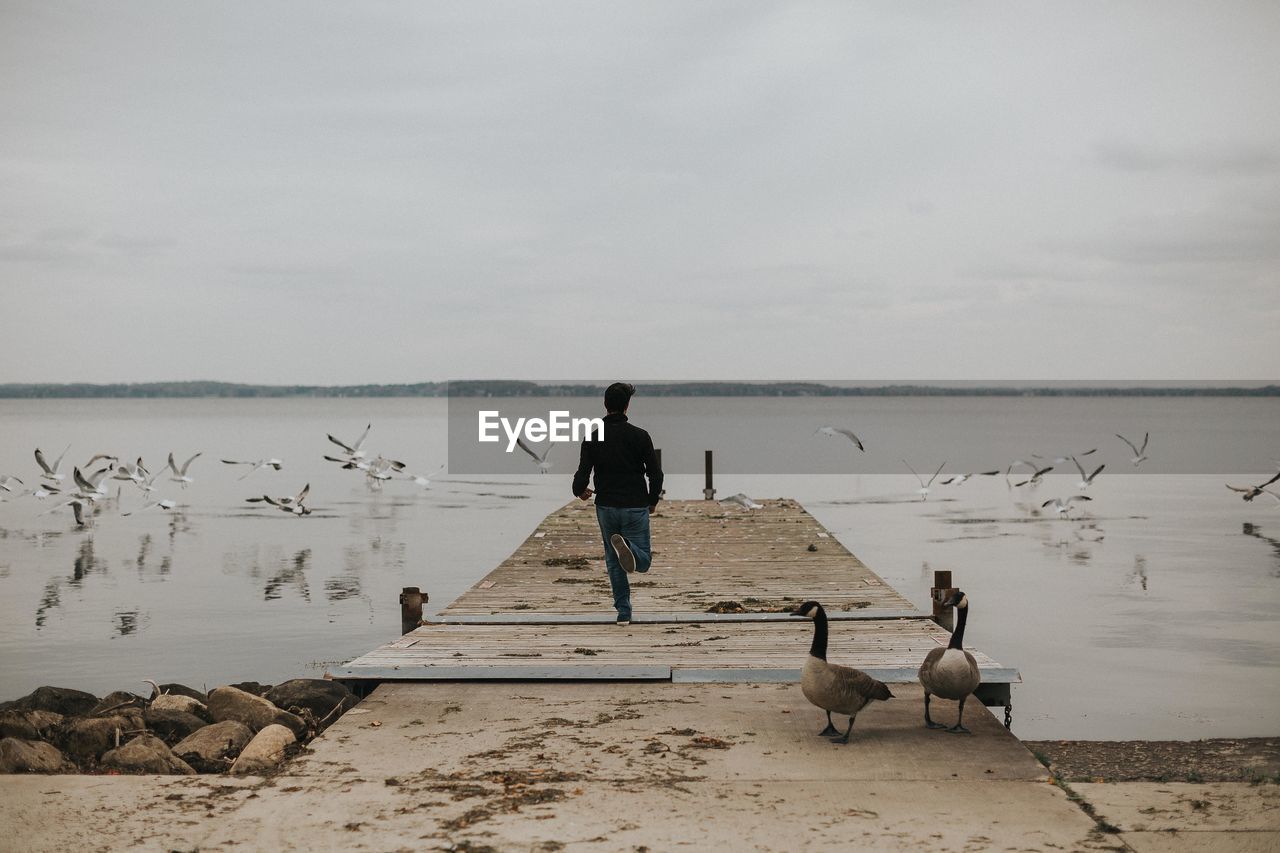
621,462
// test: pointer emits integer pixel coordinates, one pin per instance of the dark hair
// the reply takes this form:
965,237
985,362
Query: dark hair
617,396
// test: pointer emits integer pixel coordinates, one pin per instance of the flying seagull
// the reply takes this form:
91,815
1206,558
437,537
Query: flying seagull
294,505
541,458
7,482
1063,506
960,478
1252,492
1139,453
1086,480
254,466
1034,479
838,431
423,480
54,471
78,506
180,474
1066,457
382,469
91,488
135,473
924,487
110,458
165,505
354,451
287,501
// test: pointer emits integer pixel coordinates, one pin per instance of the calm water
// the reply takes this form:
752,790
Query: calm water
1153,615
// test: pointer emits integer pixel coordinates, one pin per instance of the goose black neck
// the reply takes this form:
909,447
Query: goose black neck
819,647
957,637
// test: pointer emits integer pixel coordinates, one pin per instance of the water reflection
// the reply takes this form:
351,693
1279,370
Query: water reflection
49,599
342,588
84,564
126,622
1256,532
291,573
1138,574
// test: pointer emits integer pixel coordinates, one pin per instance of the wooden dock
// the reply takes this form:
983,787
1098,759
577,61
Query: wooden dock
713,608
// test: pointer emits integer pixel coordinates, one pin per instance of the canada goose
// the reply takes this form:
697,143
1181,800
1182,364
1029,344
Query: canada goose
830,686
951,673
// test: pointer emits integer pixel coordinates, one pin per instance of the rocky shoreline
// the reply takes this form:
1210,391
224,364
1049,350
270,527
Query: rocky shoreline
238,729
1255,760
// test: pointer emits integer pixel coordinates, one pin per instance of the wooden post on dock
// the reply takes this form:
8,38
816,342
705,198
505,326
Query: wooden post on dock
709,493
411,601
941,591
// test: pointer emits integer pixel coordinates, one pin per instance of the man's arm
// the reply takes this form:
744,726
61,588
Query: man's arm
653,471
583,475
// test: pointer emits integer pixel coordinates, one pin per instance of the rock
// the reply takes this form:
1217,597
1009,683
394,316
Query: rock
211,749
60,700
24,756
30,725
231,703
172,726
316,695
16,724
265,751
252,687
46,722
86,738
115,702
147,754
184,690
177,702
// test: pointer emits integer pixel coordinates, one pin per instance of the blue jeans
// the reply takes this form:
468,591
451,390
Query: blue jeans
633,524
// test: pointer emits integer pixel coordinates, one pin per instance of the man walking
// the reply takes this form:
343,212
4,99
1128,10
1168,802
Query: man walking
622,458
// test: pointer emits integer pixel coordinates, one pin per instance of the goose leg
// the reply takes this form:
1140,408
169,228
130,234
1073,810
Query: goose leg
830,729
847,732
927,721
958,728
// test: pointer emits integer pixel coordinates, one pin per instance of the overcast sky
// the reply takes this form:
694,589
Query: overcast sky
353,192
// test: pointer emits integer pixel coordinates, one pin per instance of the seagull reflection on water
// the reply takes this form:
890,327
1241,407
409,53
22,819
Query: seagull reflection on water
291,573
1255,531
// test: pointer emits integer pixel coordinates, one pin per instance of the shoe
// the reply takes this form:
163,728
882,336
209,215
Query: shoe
623,551
622,623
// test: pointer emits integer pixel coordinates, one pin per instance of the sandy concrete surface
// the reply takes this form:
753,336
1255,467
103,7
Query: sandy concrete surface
589,766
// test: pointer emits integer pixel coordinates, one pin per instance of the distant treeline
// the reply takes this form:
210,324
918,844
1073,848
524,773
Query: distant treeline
517,388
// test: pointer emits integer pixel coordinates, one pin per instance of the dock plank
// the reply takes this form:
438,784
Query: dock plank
776,649
713,608
704,554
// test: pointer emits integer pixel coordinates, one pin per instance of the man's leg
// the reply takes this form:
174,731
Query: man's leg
609,525
635,529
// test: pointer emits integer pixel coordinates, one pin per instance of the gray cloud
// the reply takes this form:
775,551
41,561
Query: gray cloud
1219,159
506,189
